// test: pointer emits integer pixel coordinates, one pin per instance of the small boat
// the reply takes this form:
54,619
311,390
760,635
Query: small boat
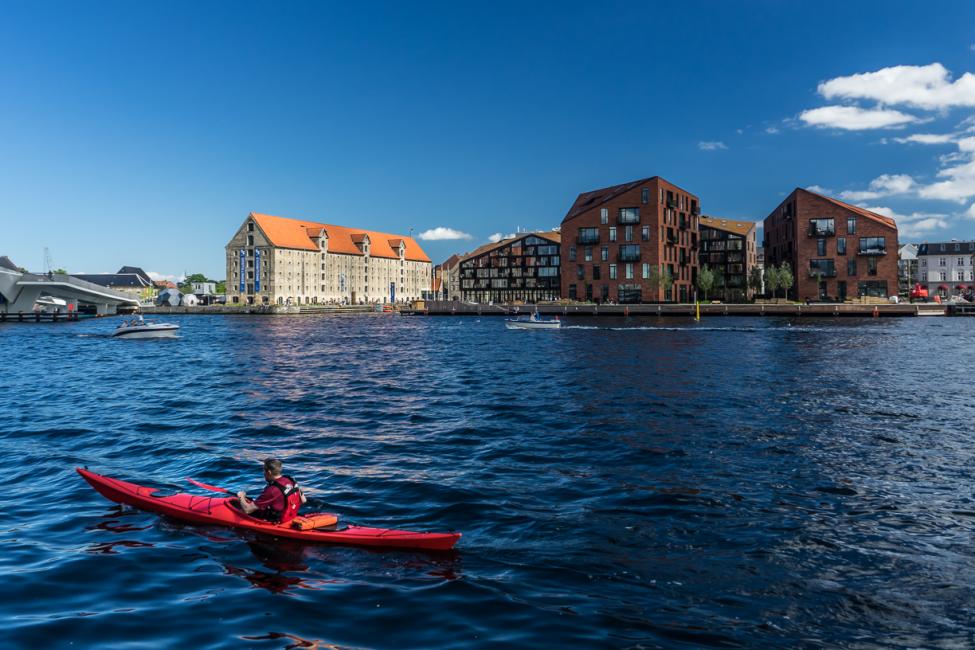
139,328
224,511
533,322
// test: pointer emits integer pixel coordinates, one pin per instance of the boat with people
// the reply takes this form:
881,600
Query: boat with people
226,511
533,322
140,328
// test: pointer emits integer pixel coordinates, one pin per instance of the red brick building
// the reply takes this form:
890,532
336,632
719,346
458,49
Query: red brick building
614,240
836,250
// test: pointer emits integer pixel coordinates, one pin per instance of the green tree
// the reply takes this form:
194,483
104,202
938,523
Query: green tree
772,279
705,280
60,271
666,282
222,286
786,278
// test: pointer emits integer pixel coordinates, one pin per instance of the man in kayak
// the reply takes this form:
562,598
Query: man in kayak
280,500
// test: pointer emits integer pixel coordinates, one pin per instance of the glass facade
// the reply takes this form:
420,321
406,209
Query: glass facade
522,270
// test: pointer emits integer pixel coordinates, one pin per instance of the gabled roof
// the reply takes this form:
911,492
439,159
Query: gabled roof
736,226
553,236
300,234
113,279
595,198
934,248
873,216
450,262
135,269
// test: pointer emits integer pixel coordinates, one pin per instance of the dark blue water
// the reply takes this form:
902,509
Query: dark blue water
738,483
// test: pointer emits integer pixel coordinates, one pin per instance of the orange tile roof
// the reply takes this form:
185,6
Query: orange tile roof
887,221
736,226
298,234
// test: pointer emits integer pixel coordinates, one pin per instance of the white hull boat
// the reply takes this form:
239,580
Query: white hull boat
532,323
143,329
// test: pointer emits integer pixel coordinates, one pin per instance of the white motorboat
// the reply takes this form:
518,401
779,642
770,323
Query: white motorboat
533,322
139,328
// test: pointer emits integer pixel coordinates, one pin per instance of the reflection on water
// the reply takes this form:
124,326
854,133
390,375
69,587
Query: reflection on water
620,483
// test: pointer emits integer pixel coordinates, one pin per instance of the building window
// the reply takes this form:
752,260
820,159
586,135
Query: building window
629,253
604,215
604,253
851,267
942,261
605,292
645,196
612,271
821,247
629,215
628,233
596,273
572,292
646,270
851,225
961,261
589,293
840,246
629,271
250,240
572,254
873,246
589,235
580,272
944,276
871,266
612,233
587,253
645,233
250,226
822,228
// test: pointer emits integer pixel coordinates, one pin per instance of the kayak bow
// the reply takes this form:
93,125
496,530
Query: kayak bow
222,511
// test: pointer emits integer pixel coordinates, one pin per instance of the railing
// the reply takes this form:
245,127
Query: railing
872,251
587,239
671,203
821,232
696,210
826,273
628,257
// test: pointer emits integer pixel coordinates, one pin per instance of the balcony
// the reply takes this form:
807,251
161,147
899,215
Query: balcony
683,223
671,203
826,273
695,209
628,254
872,250
671,236
628,216
821,231
587,238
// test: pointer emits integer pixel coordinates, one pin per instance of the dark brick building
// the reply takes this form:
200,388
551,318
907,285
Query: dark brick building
836,250
728,248
615,238
524,268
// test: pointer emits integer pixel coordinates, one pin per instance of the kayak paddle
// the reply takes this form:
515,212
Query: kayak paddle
205,486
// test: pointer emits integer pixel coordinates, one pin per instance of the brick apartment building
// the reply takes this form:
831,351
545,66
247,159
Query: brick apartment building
728,248
523,268
613,238
836,250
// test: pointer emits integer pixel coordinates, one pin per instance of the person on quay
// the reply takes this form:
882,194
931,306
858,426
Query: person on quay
281,499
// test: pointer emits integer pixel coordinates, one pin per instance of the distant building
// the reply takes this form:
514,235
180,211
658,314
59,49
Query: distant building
728,249
836,250
204,288
523,268
446,279
945,268
760,265
130,280
617,239
274,260
906,268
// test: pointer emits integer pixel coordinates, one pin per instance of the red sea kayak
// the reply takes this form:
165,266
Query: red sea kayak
222,511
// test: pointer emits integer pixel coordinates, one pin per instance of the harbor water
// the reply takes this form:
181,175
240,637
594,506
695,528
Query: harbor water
620,483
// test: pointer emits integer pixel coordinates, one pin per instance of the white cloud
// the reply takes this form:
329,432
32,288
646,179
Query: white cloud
854,118
442,233
914,224
496,237
958,186
772,130
970,212
154,275
711,146
928,138
883,185
819,189
923,86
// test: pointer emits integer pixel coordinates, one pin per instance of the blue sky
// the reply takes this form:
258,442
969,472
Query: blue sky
140,133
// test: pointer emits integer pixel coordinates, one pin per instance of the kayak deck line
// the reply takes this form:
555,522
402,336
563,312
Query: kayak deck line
221,511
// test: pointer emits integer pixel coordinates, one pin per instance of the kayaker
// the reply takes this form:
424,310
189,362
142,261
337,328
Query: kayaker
280,500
